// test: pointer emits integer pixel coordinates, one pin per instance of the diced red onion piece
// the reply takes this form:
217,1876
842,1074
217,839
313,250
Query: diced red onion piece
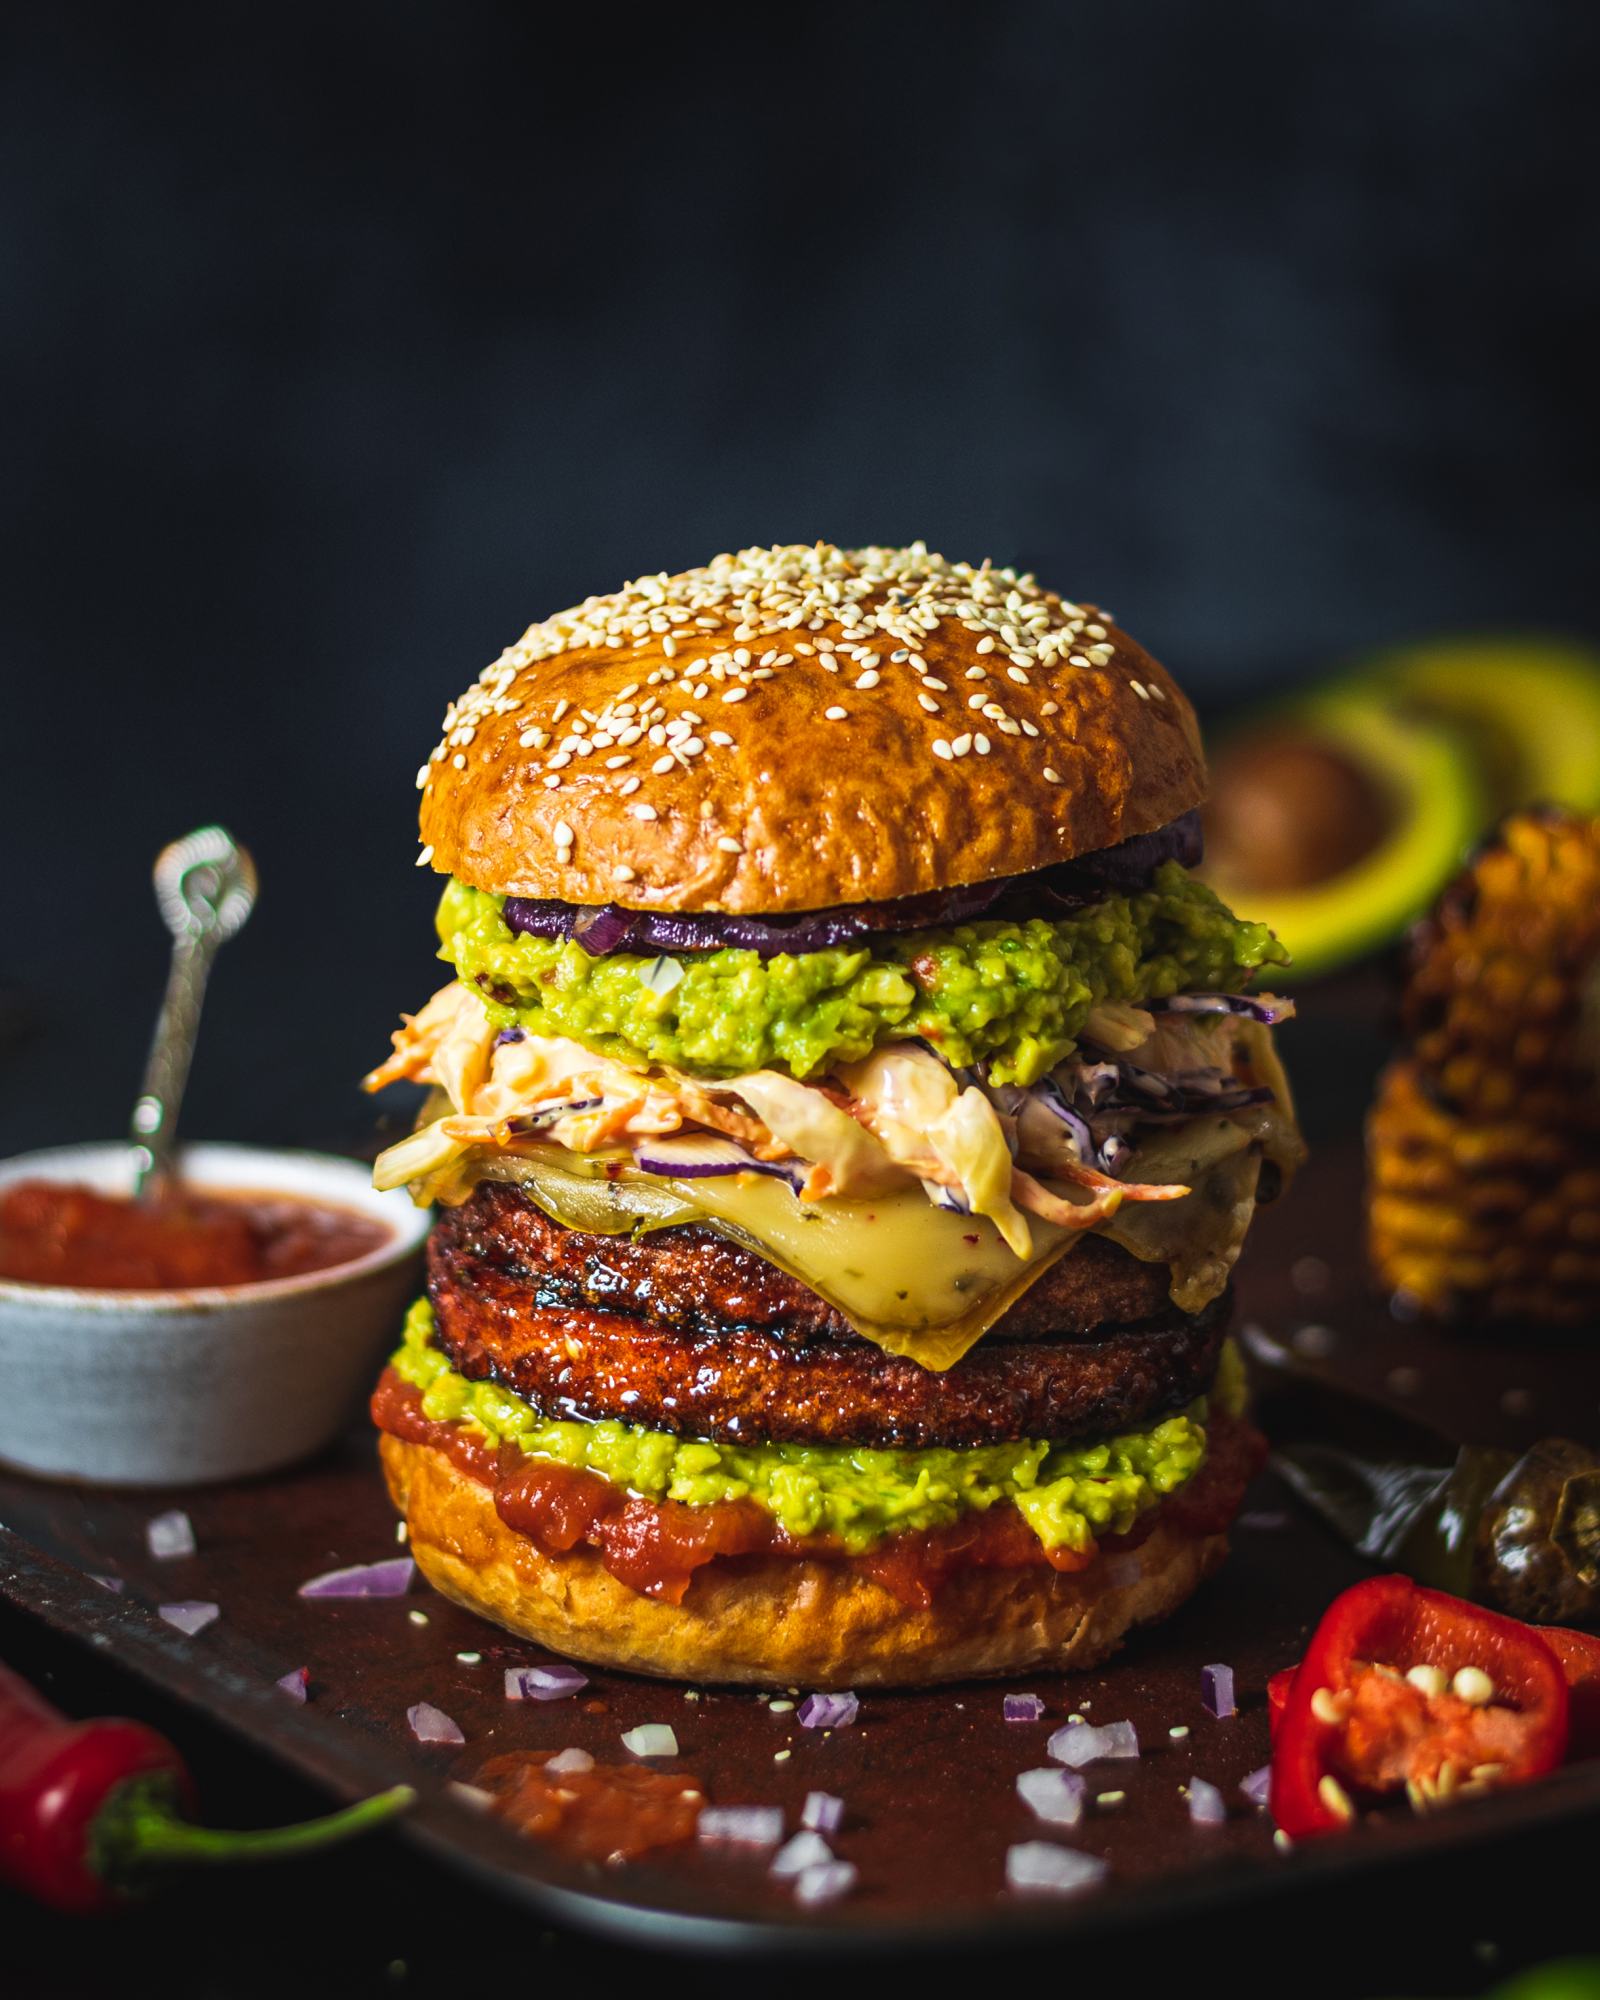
825,1883
1216,1692
651,1739
822,1812
805,1850
1087,1742
1041,1864
1269,1009
827,1711
1053,1795
296,1685
432,1725
1022,1708
190,1616
1207,1807
1257,1788
114,1584
740,1826
170,1534
543,1683
569,1763
391,1578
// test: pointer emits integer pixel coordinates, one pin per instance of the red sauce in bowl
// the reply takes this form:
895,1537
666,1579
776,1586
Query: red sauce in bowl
57,1233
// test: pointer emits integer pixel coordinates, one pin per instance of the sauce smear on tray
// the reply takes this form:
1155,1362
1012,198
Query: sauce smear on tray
607,1812
56,1233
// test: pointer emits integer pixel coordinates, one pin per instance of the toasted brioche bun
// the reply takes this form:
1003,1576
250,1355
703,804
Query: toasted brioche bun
795,787
779,1621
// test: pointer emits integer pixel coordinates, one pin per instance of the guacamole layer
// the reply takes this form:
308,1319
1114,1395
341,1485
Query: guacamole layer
1067,1493
1015,994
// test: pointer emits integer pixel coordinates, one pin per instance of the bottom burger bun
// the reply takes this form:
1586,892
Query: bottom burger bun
782,1621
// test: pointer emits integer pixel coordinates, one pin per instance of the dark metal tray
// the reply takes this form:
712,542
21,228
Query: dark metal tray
929,1778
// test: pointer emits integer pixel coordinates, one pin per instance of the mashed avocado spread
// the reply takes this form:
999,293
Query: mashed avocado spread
1067,1493
1014,993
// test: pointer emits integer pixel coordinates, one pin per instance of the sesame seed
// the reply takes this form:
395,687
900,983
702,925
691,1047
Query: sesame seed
835,714
985,645
980,743
942,749
1140,690
961,745
728,844
928,702
561,834
425,857
869,679
643,811
1052,775
735,694
622,872
629,785
662,765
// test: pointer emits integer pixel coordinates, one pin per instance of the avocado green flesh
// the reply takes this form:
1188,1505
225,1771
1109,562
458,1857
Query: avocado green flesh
1016,994
1529,709
1067,1493
1436,807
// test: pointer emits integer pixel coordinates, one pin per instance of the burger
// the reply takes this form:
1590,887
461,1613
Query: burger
844,1117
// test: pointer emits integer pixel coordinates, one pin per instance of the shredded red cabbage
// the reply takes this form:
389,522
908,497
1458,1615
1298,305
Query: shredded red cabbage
609,927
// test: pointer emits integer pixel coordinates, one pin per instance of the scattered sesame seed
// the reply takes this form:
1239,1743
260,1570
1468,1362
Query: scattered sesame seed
942,749
662,765
561,834
1052,775
735,694
425,857
835,714
622,872
642,811
728,844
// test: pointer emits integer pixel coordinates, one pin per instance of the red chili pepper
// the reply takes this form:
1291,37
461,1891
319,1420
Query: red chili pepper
1488,1706
1579,1654
1278,1697
88,1808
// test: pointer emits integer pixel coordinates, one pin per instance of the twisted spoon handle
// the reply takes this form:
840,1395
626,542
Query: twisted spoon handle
166,1073
205,888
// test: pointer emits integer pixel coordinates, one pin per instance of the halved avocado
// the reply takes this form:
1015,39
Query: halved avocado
1337,821
1529,708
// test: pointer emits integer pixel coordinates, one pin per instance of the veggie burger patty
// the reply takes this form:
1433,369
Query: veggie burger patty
577,1326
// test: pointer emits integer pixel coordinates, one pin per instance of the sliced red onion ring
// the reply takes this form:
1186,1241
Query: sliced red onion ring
170,1534
190,1615
822,1812
703,1156
296,1685
825,1884
543,1683
1082,1743
651,1739
1022,1708
608,927
740,1826
1269,1010
950,1198
1216,1692
1042,1864
1207,1806
432,1725
1257,1788
827,1711
391,1578
804,1850
1053,1795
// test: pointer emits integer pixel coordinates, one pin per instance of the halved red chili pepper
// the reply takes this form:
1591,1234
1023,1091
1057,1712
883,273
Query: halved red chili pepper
1579,1654
87,1809
1406,1688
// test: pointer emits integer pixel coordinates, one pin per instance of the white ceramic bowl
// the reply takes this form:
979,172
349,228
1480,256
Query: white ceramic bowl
178,1388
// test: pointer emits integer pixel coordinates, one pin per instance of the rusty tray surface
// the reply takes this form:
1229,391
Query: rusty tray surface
928,1776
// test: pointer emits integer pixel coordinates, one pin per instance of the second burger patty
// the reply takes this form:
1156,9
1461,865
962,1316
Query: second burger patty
682,1331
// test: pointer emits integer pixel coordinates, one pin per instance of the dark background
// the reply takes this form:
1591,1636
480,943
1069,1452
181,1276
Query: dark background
341,342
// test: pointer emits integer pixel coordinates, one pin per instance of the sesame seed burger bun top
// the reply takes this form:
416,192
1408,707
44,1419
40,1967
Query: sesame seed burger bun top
791,728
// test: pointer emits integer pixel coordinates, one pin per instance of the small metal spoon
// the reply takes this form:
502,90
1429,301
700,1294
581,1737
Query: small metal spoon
205,889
